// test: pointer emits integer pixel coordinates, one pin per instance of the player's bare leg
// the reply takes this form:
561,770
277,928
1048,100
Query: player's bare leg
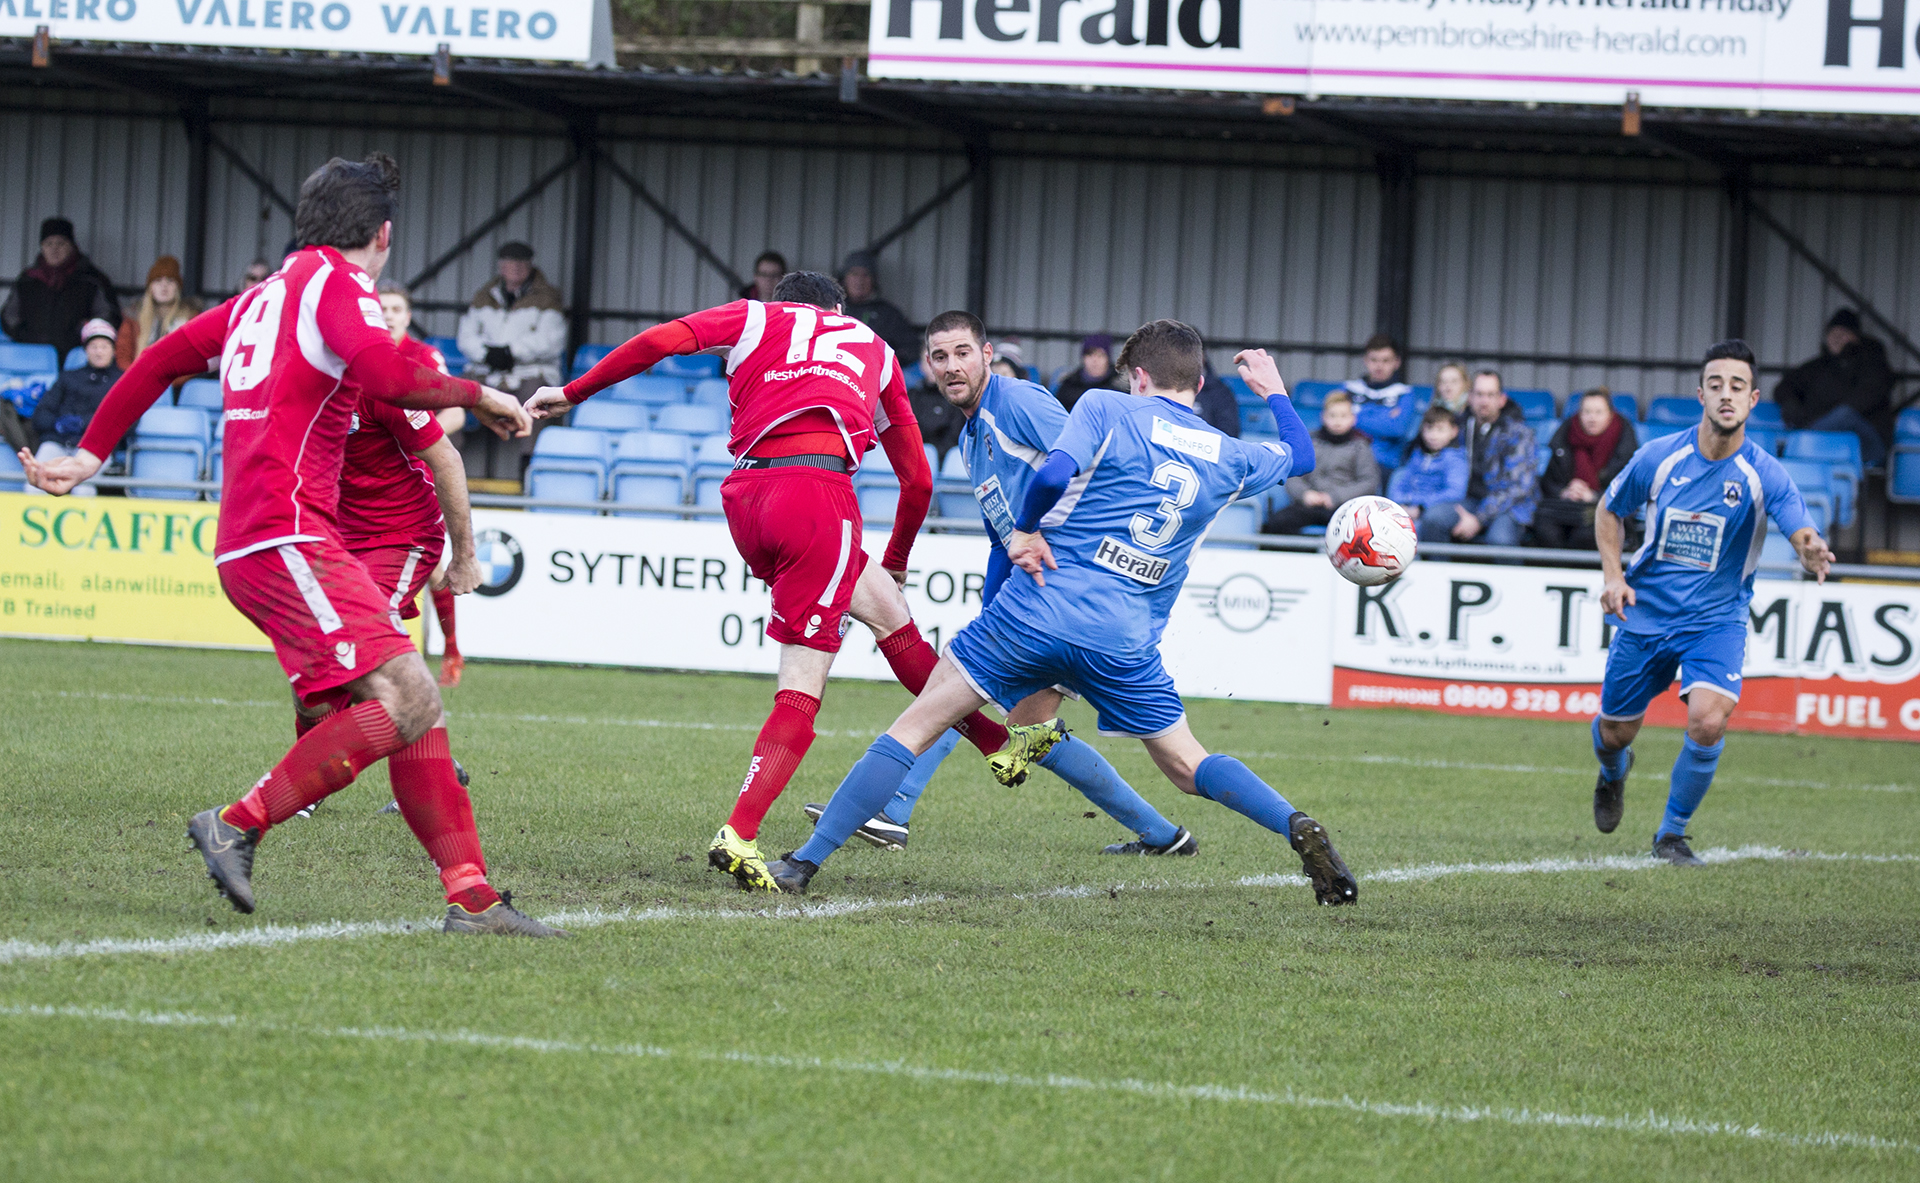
451,663
1708,712
1226,780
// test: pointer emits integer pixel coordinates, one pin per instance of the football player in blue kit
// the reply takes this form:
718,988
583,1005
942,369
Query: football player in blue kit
1100,543
1680,603
1011,425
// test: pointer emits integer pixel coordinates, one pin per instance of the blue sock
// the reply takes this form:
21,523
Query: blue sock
900,808
1081,765
1692,776
859,797
1233,784
1613,763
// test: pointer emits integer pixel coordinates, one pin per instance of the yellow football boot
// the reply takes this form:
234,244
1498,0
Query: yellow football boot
1025,746
740,858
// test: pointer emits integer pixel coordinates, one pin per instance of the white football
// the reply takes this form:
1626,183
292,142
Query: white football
1370,540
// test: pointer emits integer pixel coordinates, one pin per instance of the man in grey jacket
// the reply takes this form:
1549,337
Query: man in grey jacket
1343,468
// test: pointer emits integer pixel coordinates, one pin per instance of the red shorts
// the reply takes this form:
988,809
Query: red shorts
328,623
799,530
400,572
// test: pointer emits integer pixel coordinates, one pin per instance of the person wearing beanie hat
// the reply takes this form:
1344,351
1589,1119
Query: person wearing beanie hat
162,310
1009,360
1095,373
1847,387
512,335
62,416
59,293
859,277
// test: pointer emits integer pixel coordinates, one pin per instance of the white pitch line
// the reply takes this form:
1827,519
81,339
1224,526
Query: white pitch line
1618,862
1543,770
1651,1123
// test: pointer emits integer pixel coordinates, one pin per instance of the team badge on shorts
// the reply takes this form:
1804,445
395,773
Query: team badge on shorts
1730,493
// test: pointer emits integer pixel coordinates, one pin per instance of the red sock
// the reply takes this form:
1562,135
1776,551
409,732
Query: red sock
324,761
913,660
443,608
783,743
440,814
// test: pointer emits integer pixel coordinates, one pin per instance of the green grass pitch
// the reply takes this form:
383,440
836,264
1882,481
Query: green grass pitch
997,1002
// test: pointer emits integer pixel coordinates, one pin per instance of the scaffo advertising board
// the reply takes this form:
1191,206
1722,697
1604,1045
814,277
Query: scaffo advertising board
1795,55
547,30
1839,659
676,595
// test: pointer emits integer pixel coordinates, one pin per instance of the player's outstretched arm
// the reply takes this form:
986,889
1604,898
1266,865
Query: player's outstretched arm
1030,553
1813,551
183,353
636,356
1262,376
1609,533
450,486
59,476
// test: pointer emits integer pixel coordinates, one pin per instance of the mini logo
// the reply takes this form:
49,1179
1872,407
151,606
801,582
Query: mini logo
1244,603
813,624
1135,565
1730,493
501,563
346,653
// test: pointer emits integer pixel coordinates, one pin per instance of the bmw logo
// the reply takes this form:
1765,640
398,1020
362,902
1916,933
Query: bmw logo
500,562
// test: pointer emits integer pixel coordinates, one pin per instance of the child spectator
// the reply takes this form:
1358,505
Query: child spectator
1343,468
1589,450
64,411
1433,482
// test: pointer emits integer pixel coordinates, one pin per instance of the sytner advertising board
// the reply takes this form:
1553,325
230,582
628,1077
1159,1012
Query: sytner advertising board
1794,55
547,30
676,595
1839,659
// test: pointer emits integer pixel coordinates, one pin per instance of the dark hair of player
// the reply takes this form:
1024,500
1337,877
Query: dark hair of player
1735,350
809,287
1382,341
344,202
947,322
1171,353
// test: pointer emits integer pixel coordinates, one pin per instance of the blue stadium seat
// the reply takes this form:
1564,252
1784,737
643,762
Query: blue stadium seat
1767,414
687,419
1543,455
1840,450
1312,394
710,392
76,357
913,376
877,487
1776,553
649,470
1650,431
1815,482
165,465
1624,404
586,357
711,464
569,464
691,366
933,458
13,478
1903,464
1535,404
449,348
170,444
652,389
200,392
601,415
1766,439
954,489
1668,409
26,373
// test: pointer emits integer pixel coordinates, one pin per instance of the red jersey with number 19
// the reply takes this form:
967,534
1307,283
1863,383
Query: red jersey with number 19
288,347
386,490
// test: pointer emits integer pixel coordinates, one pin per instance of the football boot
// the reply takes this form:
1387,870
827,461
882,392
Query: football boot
1674,849
1610,798
878,831
792,874
1333,884
740,858
1025,746
228,851
1184,843
500,920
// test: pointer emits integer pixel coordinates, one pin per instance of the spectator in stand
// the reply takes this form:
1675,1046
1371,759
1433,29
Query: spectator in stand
255,275
767,270
64,411
162,310
1433,481
62,291
1502,469
1450,388
1009,361
396,308
1343,468
1216,404
1095,372
940,421
1849,387
1589,450
513,332
1383,403
862,286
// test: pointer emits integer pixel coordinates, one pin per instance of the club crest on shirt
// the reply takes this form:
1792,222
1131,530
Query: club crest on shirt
1730,493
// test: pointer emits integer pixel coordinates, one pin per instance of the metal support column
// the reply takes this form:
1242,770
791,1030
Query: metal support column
979,225
585,238
1739,249
193,263
1393,291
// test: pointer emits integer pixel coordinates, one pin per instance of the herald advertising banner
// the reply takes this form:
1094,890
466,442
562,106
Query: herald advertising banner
1795,55
548,30
676,595
1839,659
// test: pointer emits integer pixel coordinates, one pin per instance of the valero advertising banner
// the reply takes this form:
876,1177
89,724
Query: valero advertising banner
1838,659
547,30
1795,55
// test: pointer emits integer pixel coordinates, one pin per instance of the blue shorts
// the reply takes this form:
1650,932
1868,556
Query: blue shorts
1006,662
1641,665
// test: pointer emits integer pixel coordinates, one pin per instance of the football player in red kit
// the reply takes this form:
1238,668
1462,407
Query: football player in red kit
291,346
811,390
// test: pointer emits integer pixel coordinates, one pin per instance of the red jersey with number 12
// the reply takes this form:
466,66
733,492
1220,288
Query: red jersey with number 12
787,359
288,347
386,490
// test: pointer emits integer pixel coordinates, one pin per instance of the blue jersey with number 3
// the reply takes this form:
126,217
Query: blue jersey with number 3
1005,443
1706,523
1152,477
